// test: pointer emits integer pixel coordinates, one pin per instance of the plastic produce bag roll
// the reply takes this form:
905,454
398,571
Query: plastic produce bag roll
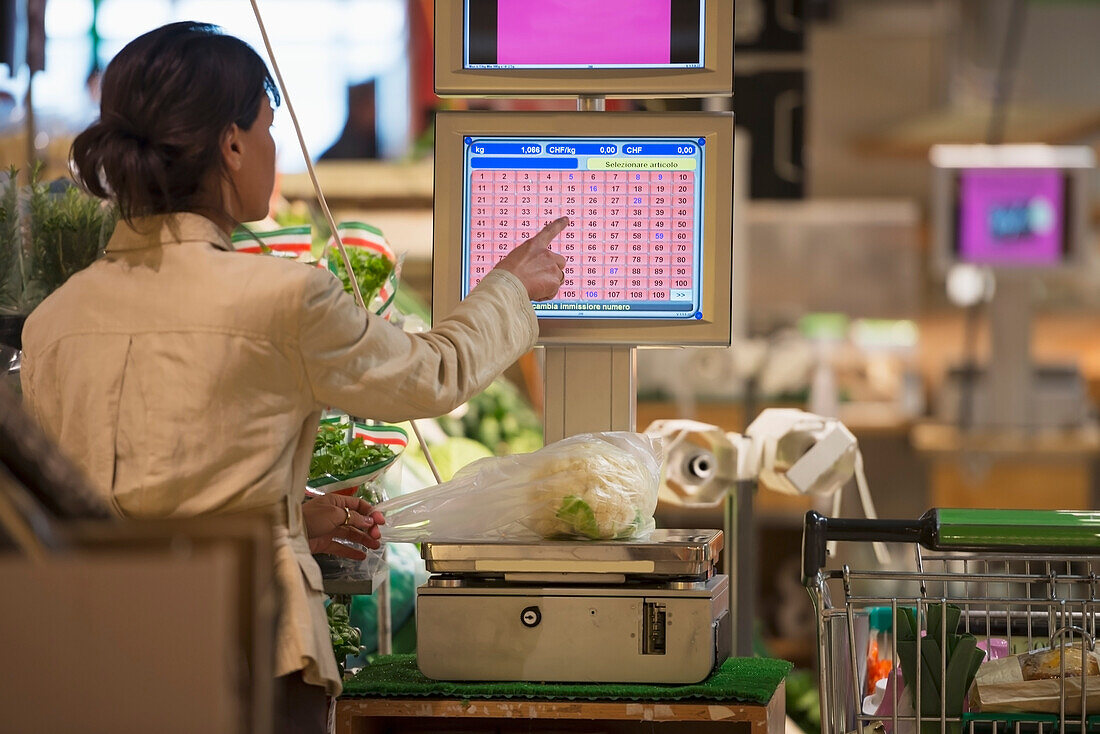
595,486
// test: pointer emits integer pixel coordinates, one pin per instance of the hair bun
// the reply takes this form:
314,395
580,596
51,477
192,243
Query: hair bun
117,125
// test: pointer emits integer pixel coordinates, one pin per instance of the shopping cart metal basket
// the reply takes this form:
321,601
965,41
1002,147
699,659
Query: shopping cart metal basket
1016,596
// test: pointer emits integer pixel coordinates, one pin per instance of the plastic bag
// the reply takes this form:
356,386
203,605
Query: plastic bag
406,569
364,482
597,486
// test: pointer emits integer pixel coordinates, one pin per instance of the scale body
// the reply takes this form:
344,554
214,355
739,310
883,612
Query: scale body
652,611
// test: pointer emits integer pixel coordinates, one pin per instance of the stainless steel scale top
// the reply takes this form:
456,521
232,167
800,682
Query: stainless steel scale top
665,554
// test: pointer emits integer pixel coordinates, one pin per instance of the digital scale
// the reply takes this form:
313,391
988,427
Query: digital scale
652,611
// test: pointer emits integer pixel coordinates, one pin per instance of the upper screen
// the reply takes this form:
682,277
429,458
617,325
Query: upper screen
1011,217
633,249
593,34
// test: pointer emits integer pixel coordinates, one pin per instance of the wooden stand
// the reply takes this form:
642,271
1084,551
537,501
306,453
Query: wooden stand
504,716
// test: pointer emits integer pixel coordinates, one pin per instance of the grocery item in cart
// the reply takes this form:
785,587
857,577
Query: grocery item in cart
879,662
1043,664
1032,682
936,639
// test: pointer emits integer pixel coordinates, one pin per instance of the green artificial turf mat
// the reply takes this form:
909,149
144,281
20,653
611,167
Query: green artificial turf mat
749,680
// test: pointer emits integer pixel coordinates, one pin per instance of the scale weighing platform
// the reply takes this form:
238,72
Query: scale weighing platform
652,611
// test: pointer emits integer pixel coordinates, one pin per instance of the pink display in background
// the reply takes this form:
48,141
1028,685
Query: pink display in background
1035,196
556,32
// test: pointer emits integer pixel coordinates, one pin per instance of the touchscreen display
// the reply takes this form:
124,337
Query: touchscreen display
563,34
633,249
1011,217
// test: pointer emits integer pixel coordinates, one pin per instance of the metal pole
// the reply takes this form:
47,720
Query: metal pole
1011,374
385,620
29,128
738,563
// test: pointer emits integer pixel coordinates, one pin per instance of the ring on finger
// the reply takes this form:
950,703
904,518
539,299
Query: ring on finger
347,517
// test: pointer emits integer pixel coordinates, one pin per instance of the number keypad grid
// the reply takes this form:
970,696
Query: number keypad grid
630,238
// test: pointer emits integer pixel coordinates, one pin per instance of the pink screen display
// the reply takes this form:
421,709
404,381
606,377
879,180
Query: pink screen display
630,238
1011,217
557,32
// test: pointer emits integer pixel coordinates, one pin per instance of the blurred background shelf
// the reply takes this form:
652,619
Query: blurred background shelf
913,137
367,184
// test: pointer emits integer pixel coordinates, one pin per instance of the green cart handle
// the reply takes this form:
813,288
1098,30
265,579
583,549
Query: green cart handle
1033,532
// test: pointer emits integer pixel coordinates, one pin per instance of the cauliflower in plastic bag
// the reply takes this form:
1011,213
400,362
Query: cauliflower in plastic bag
599,486
595,490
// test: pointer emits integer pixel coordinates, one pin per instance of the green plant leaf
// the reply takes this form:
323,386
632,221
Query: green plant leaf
67,231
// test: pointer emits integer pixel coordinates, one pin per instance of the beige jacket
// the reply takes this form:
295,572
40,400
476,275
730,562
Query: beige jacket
188,379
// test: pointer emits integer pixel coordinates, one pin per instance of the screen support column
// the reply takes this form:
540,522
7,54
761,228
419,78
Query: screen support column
1011,370
588,389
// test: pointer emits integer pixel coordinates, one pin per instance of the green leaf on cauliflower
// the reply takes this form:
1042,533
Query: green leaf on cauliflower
578,515
632,528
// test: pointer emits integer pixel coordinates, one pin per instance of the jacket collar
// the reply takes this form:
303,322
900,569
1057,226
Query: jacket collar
167,229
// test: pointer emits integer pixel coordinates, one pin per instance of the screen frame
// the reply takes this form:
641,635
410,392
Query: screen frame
716,265
713,78
951,161
1064,248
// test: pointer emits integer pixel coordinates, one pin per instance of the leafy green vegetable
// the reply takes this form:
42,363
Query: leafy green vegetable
334,455
345,638
525,441
499,418
68,232
371,270
10,244
804,700
578,515
449,456
61,231
962,655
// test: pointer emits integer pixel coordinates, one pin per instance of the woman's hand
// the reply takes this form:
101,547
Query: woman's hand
539,269
337,516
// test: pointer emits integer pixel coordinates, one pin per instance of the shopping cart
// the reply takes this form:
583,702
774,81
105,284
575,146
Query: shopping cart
1019,598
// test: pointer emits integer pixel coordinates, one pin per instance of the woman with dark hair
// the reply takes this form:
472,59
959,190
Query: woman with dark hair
186,379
